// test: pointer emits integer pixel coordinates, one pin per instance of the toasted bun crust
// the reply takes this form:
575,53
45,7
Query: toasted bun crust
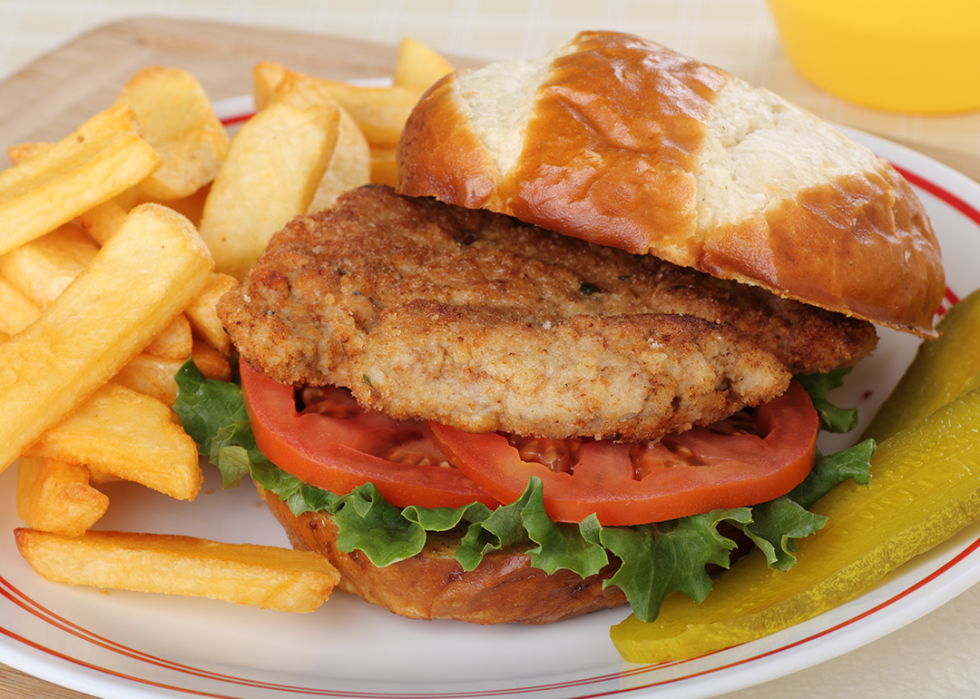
622,142
503,589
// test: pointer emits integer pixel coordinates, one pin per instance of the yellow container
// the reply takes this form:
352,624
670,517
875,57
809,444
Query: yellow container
918,56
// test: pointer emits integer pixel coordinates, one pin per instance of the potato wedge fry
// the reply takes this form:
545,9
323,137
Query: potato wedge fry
126,434
212,363
350,162
274,165
99,323
201,312
191,206
101,222
384,166
175,342
349,168
44,267
151,376
100,160
179,122
266,77
16,310
380,112
154,376
264,576
418,66
53,496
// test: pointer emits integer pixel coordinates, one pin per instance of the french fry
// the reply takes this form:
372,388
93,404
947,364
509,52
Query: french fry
155,376
100,160
99,323
212,363
264,576
418,66
203,316
349,168
53,496
350,162
380,112
151,376
120,432
42,268
25,151
102,221
175,342
273,167
384,166
16,310
191,206
179,122
266,77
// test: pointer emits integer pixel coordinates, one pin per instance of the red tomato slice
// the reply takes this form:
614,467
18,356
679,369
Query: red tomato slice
725,465
337,446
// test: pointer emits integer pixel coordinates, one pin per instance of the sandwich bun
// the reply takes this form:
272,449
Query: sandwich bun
503,589
622,142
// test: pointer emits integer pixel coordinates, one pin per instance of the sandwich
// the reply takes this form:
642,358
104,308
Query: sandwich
580,354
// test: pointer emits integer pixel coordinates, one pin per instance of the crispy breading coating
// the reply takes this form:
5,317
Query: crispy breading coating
429,311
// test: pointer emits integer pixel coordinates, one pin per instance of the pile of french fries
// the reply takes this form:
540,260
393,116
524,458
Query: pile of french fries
115,245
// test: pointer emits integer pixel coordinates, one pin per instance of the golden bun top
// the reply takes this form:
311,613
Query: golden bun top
620,141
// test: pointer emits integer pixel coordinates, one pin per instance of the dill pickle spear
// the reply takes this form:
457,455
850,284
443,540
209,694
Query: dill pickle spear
937,374
925,487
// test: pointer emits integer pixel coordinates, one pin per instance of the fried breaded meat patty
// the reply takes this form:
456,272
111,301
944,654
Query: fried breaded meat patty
476,320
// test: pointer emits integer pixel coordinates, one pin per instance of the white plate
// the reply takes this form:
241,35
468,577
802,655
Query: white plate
128,645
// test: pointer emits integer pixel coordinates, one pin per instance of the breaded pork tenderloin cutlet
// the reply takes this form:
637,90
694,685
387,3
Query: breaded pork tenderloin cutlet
474,319
631,376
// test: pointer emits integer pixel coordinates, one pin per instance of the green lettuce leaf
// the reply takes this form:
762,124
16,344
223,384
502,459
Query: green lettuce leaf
654,559
818,386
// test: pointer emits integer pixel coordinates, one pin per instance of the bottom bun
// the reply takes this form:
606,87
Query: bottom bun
503,589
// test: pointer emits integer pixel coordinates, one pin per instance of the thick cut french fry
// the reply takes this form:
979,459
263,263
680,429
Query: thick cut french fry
418,66
272,171
151,376
179,122
97,162
191,206
16,310
101,222
264,576
175,342
201,312
44,267
380,112
155,376
25,151
266,77
384,166
53,496
140,280
126,434
212,363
